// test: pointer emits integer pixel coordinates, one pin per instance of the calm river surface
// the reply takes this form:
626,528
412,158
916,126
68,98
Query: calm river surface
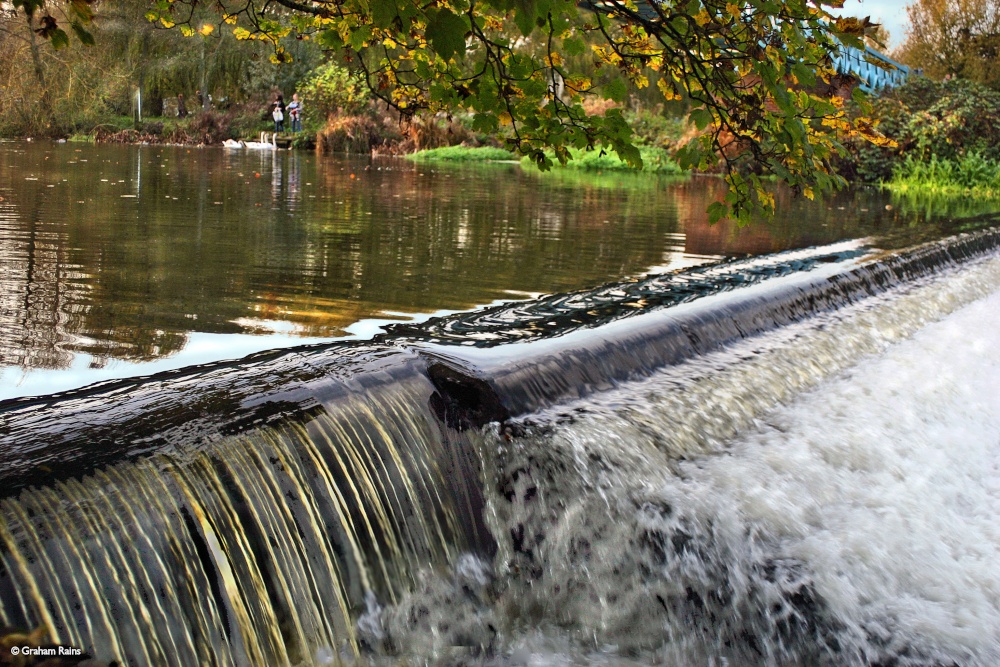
125,261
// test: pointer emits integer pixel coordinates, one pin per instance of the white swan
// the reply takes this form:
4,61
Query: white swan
263,144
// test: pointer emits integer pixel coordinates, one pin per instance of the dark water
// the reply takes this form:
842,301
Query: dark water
124,261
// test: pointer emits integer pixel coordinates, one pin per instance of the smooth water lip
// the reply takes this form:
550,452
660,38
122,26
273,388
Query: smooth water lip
493,357
201,348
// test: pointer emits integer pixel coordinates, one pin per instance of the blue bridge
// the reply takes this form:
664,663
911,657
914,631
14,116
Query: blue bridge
874,71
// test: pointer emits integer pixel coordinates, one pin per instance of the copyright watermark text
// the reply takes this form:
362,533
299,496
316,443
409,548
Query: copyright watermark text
46,651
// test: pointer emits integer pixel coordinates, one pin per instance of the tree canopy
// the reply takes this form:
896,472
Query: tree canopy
955,39
756,75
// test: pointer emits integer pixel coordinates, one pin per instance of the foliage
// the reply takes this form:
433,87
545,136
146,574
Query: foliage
462,154
653,128
954,38
654,160
44,18
972,175
756,72
928,119
331,89
85,87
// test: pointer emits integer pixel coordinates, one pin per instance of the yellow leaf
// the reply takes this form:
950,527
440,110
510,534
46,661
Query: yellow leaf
505,119
207,29
229,18
669,94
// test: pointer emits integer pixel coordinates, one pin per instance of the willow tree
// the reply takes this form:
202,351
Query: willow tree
40,20
757,73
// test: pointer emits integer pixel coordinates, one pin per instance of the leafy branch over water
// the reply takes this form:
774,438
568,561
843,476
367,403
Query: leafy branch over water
757,74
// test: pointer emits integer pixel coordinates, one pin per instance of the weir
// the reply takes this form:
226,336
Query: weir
284,509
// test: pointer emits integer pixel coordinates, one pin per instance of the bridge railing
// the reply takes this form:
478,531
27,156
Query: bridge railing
871,77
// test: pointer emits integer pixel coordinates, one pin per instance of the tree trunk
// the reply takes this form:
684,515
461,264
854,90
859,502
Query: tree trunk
44,101
204,78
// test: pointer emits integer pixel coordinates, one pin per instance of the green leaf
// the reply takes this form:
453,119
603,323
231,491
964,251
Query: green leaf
574,46
717,211
85,37
805,74
524,16
383,13
702,118
616,90
328,39
446,33
82,9
59,38
360,36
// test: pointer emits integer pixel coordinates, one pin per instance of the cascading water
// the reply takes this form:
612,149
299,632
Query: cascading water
255,549
805,471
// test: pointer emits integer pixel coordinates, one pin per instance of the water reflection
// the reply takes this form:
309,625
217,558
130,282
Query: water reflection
112,258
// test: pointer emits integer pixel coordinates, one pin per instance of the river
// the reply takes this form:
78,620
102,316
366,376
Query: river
489,417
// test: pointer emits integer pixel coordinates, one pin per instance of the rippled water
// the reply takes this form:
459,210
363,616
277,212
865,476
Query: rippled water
123,261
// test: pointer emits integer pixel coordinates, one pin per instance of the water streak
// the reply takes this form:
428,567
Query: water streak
254,551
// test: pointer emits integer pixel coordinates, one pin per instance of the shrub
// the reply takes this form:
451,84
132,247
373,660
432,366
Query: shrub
947,120
652,128
331,90
972,175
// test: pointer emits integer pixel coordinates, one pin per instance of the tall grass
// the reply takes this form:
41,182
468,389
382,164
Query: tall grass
969,176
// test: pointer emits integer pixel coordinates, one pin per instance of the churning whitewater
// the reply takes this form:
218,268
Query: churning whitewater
827,494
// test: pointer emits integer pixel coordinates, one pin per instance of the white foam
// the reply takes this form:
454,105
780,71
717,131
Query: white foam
886,482
840,477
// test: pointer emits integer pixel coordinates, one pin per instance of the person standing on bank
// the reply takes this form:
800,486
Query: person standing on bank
278,114
295,113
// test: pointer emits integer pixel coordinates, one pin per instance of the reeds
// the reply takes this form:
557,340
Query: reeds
972,175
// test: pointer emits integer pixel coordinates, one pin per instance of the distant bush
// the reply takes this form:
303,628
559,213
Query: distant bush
947,120
331,90
652,128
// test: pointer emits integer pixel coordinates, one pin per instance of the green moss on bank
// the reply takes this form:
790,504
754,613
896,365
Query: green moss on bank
462,154
654,161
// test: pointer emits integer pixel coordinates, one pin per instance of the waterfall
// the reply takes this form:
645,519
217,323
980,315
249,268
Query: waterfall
663,470
253,548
